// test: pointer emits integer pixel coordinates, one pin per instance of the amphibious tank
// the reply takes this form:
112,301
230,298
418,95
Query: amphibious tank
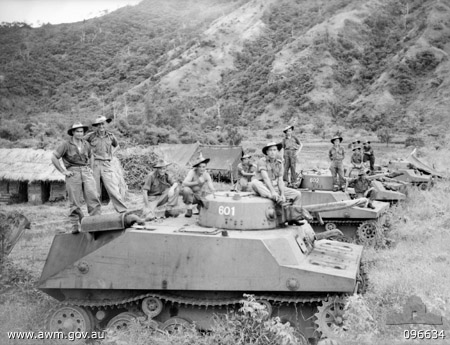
358,223
183,270
403,171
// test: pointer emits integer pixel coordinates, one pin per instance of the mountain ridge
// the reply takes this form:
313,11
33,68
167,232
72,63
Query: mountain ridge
175,71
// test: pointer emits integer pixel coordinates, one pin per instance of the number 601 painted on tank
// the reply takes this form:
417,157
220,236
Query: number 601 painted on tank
226,210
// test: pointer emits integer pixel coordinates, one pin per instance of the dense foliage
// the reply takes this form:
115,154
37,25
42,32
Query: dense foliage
361,76
72,72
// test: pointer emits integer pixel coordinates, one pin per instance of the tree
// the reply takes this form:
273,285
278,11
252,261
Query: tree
385,135
234,136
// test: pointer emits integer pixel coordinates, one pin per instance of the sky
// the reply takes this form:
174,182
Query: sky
37,12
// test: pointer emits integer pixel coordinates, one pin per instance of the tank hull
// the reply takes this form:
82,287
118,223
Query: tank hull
177,270
167,259
348,220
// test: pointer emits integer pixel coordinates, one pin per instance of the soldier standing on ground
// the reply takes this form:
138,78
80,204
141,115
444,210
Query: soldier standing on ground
268,181
104,145
160,189
369,155
291,147
76,155
196,178
246,170
336,155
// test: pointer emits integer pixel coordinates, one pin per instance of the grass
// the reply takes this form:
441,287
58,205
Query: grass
416,265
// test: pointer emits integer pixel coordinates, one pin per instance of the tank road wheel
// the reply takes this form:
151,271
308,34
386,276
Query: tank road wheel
268,306
424,186
330,226
175,325
152,306
121,321
367,233
342,238
330,315
154,325
69,319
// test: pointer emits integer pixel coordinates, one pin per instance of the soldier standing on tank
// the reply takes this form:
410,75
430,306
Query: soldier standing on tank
193,185
160,189
362,186
268,181
369,155
246,170
336,155
357,157
291,147
104,144
76,154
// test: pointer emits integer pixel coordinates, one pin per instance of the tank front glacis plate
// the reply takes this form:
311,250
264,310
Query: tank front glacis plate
183,258
411,176
381,193
321,197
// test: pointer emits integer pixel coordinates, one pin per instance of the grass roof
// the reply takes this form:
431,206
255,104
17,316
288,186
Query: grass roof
28,165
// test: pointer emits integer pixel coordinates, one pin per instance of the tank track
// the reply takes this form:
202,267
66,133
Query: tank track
337,222
194,302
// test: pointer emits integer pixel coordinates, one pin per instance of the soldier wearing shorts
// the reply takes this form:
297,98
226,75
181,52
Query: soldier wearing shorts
268,181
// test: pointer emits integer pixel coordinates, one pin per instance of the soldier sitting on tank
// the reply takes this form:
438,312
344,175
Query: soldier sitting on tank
160,189
268,181
246,170
193,191
362,186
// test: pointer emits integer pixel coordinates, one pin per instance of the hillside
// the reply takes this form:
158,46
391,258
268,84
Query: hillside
172,71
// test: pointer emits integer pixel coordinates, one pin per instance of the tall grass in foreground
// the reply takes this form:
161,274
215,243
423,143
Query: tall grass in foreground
416,265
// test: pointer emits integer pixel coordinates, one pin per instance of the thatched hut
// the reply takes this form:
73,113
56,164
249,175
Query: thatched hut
28,175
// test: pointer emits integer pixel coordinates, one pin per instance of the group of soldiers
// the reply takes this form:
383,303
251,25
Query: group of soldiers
87,161
291,147
360,155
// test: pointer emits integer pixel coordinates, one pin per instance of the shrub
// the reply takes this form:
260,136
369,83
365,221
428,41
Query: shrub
9,130
414,141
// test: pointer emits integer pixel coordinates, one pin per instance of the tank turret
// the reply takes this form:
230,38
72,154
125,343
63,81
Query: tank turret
180,271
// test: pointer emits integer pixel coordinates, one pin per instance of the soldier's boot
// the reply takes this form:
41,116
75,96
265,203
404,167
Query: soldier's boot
75,228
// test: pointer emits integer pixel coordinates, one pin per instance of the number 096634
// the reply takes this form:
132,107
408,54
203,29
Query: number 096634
423,334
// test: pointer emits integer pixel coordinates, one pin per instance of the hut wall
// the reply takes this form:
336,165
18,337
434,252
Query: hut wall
57,191
4,187
14,187
35,193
